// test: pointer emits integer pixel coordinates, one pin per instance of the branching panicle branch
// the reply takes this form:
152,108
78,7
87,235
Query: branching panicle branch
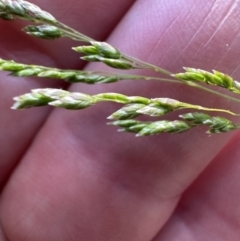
151,107
71,76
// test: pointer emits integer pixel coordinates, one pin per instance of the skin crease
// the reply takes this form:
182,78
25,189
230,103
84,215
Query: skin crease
80,180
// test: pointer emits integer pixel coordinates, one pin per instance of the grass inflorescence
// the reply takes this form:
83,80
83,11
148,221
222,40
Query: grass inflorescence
48,27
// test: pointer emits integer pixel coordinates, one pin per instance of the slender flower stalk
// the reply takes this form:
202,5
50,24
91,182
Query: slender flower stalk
144,65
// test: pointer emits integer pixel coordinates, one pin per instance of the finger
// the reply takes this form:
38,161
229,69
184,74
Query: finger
125,188
17,129
2,235
209,210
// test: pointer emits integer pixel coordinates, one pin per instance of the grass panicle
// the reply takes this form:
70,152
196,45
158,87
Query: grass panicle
48,27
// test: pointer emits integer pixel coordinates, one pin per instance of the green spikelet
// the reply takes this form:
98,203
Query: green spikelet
196,118
44,31
216,78
127,112
154,110
88,50
106,50
217,124
157,127
74,101
114,63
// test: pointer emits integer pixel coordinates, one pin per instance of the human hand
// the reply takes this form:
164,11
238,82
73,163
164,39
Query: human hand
74,178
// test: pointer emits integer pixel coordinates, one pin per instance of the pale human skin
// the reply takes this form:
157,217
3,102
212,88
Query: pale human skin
75,179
